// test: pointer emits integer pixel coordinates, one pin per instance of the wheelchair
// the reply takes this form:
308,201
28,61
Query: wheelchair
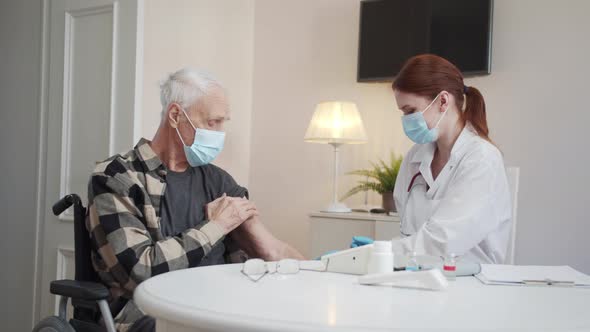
89,296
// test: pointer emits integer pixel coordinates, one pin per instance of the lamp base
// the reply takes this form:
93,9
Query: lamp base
337,208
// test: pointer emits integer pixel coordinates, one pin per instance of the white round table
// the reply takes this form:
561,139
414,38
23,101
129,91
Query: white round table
220,298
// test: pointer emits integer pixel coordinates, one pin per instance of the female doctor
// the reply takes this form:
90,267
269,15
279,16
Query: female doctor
451,192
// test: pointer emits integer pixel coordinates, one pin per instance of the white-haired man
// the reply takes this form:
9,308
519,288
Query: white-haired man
163,206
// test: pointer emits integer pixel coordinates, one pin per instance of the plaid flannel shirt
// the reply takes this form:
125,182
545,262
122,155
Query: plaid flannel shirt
124,195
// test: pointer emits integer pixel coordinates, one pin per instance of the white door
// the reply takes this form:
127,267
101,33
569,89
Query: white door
92,72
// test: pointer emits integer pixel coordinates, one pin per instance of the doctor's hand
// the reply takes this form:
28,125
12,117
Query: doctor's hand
230,212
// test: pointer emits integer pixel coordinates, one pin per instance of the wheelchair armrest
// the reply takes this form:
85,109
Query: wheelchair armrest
85,290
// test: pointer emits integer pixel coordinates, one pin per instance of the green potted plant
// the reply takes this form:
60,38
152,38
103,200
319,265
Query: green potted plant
380,178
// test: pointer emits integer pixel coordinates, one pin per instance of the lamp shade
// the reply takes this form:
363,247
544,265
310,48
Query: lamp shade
336,122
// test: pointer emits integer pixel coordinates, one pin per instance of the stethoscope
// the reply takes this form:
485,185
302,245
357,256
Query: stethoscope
413,183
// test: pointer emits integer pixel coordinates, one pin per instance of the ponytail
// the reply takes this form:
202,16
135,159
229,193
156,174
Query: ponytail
475,112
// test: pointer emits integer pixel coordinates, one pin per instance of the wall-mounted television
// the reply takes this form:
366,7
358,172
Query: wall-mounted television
391,31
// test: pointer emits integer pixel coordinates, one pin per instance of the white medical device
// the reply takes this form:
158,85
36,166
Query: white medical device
429,279
351,261
356,261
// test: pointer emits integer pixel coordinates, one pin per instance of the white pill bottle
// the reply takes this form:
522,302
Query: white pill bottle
381,258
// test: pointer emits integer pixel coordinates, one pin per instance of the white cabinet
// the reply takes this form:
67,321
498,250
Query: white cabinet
334,231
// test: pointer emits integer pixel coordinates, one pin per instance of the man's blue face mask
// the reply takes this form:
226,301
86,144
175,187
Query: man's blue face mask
206,146
416,128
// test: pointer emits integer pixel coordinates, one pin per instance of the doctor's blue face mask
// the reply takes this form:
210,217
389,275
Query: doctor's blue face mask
416,128
206,146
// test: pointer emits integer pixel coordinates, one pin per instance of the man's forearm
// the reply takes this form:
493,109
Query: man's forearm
257,241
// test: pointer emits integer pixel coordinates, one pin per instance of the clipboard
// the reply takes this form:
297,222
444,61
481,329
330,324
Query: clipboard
532,275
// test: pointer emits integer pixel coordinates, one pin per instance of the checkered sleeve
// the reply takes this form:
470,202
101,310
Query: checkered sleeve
117,222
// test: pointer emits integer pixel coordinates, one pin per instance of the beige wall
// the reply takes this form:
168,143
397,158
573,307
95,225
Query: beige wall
212,35
305,52
538,110
279,58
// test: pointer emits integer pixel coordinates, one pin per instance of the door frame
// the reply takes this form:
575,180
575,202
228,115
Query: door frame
43,105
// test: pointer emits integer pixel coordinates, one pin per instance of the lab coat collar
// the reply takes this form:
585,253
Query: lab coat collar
423,157
467,136
425,152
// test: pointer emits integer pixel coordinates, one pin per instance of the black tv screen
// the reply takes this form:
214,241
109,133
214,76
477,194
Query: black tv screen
391,31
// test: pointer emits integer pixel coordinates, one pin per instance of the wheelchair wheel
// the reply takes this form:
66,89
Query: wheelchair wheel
53,324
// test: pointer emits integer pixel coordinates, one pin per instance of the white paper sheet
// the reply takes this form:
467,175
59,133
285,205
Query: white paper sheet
518,274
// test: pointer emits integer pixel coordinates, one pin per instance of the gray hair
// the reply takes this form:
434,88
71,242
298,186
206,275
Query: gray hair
185,87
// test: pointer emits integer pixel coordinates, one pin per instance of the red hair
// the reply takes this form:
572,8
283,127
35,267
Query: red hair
427,75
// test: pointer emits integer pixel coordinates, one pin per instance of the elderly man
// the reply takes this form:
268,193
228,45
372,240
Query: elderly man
163,206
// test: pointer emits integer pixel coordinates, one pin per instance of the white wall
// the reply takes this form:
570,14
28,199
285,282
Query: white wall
212,35
305,52
538,112
20,44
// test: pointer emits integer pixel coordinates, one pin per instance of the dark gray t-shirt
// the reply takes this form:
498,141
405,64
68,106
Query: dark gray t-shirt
187,193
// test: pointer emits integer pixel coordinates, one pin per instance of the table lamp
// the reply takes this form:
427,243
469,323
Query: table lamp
336,123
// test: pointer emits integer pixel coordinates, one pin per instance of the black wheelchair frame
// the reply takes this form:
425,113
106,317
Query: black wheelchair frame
89,296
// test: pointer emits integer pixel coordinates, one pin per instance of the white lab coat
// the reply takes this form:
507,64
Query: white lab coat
465,211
